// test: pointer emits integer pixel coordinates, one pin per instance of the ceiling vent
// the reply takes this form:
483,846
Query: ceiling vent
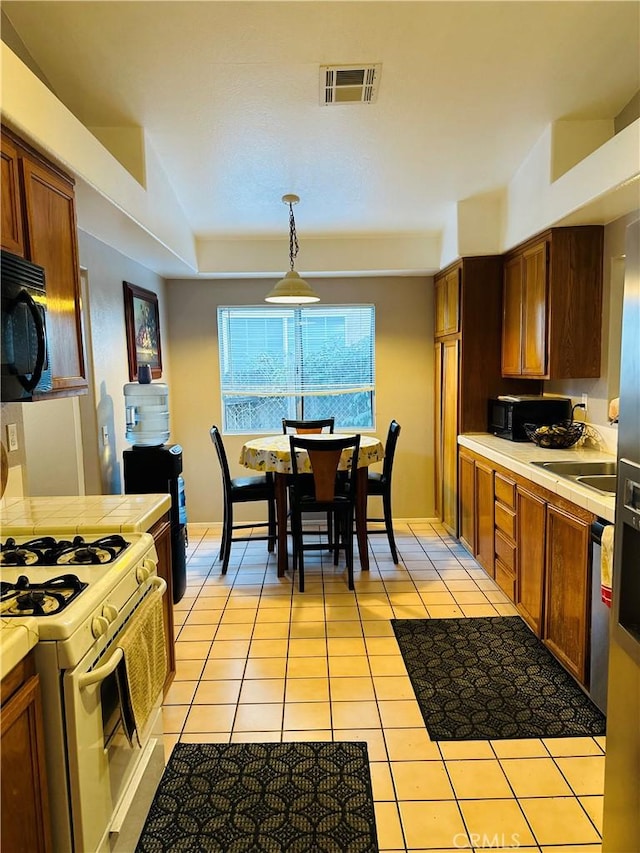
349,84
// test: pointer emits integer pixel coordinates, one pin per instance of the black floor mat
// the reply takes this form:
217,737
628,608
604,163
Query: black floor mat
491,678
269,797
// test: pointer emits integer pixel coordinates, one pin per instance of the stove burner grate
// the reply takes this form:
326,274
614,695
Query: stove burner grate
24,598
47,551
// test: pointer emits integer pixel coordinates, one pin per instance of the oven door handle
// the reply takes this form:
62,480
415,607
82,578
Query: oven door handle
102,672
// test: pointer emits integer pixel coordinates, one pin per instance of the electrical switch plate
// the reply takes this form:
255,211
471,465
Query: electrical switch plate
12,436
105,436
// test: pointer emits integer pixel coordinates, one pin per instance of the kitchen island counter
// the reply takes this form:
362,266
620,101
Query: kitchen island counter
79,514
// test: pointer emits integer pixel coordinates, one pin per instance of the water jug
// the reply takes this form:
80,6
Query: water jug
147,413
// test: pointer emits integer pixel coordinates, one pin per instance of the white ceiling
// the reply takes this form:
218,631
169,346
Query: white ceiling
228,96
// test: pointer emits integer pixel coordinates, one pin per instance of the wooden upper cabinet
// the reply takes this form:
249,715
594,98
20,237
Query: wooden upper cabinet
52,240
552,305
534,311
39,223
11,227
447,307
512,318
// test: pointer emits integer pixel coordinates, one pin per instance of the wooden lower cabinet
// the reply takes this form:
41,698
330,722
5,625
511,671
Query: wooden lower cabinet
540,554
467,497
161,532
567,590
530,544
475,514
25,823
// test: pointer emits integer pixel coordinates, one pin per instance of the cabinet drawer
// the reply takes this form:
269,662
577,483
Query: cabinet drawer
505,520
505,491
505,551
505,580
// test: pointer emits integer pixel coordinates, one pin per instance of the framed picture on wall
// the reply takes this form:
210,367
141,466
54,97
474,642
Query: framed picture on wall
142,322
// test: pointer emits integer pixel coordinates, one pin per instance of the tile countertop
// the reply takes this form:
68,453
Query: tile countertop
17,638
517,456
79,514
66,515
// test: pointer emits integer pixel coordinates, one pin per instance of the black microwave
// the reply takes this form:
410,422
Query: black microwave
508,415
25,357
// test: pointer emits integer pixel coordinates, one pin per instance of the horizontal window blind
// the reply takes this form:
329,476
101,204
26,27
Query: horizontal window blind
295,353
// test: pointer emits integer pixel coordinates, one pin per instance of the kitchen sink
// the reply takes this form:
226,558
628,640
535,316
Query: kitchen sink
601,482
572,469
600,476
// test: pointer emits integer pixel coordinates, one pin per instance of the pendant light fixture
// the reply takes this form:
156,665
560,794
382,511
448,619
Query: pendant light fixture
292,289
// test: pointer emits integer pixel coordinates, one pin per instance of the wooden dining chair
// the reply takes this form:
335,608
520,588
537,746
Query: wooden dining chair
327,495
311,427
380,485
243,490
307,427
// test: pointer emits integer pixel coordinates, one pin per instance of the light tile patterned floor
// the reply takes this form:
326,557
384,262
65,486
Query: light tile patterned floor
259,661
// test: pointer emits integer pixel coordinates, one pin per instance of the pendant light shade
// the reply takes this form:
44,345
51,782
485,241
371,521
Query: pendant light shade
292,290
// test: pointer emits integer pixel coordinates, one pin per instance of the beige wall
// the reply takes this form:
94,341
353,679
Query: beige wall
108,366
404,381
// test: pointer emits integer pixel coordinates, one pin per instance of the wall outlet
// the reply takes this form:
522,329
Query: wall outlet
585,401
12,436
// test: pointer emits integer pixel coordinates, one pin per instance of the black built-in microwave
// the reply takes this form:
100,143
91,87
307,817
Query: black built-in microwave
508,415
25,357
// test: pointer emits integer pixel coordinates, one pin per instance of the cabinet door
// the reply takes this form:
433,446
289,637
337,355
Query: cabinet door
11,226
530,522
567,590
161,532
467,505
25,804
52,242
450,353
452,302
484,517
437,456
534,311
512,318
440,307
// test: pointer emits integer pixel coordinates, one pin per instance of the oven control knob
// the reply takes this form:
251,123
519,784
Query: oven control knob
99,626
142,574
110,612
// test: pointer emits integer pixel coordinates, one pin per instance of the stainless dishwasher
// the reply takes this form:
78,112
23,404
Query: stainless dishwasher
600,616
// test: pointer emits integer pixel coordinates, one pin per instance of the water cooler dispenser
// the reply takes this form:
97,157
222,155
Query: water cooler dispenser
151,466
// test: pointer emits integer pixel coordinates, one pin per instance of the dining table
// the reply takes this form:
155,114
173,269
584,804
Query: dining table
273,453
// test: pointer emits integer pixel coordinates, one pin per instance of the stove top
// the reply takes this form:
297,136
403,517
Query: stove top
66,581
49,551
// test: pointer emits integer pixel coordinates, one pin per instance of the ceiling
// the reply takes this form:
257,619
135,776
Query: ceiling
228,96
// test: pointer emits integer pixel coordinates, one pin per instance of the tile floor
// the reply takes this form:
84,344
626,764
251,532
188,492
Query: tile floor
259,661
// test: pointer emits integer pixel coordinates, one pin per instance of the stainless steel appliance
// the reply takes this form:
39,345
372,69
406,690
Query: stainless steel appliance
621,829
25,357
84,593
509,414
148,470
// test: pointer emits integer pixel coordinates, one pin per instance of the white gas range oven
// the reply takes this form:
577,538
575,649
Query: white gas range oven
84,592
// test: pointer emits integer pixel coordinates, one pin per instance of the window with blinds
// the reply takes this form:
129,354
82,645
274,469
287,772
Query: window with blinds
296,362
